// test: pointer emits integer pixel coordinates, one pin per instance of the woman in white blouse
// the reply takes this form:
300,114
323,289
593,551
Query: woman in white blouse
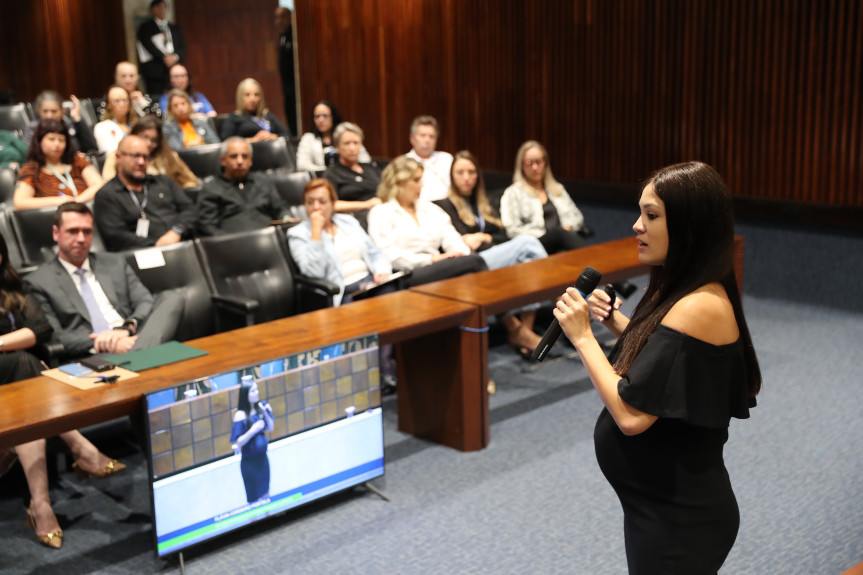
538,205
117,121
415,234
316,149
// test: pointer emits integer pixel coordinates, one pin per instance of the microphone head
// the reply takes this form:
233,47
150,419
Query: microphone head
588,280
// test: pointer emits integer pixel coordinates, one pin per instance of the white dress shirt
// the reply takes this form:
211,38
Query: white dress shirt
435,174
113,318
409,244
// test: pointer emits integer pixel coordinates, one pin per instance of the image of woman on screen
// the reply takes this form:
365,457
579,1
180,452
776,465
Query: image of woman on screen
252,418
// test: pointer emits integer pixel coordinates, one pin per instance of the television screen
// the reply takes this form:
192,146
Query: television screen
233,448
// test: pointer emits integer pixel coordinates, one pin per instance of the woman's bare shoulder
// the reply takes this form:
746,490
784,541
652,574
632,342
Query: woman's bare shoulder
705,314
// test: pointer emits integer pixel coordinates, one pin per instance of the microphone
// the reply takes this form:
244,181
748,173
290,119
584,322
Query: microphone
586,283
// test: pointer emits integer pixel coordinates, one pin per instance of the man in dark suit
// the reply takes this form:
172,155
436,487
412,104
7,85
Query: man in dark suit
160,46
95,302
286,65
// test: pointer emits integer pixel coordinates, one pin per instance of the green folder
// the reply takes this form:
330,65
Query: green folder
170,352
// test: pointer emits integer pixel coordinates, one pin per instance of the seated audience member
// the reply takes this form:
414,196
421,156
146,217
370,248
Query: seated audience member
356,183
423,137
49,106
481,229
126,76
163,160
538,205
316,149
13,152
117,120
415,234
335,247
22,326
182,130
135,209
252,120
180,80
94,302
54,173
237,199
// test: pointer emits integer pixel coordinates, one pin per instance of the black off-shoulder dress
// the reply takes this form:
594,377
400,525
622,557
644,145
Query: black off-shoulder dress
679,511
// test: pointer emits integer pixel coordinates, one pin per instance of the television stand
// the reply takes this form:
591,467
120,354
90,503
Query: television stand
375,490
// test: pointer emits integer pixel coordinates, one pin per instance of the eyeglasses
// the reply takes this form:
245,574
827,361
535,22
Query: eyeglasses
120,101
322,116
532,163
136,157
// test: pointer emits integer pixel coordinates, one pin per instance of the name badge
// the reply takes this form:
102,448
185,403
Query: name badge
143,228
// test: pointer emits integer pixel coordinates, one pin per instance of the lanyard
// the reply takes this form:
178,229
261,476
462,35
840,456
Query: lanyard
66,178
140,205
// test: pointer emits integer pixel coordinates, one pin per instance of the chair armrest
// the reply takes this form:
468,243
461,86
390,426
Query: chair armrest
234,311
50,352
317,284
236,303
314,293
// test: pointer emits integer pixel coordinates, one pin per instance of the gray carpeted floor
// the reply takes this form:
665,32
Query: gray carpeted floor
534,501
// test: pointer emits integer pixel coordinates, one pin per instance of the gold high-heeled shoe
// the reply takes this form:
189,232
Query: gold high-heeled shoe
54,540
111,468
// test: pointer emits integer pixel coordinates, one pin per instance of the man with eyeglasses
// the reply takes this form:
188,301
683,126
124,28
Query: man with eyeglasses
136,209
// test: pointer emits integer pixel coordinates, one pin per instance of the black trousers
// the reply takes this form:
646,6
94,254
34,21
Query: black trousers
445,269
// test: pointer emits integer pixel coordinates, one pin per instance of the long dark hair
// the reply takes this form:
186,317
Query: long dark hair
11,298
478,194
334,112
243,400
700,251
43,128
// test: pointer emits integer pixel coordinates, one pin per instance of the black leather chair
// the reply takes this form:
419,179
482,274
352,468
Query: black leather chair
8,178
252,281
14,118
183,271
33,228
273,156
8,232
203,160
291,186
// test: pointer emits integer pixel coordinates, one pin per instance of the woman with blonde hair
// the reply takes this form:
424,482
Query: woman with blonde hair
415,234
473,217
538,205
252,120
182,129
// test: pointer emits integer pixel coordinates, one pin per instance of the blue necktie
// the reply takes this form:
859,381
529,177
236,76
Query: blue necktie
97,320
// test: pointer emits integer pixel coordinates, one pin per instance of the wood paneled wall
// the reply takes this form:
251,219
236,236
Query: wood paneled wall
70,46
228,41
768,91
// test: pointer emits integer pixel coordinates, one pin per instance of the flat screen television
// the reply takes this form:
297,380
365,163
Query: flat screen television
213,469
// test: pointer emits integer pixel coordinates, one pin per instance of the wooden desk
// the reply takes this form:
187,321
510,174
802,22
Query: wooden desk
438,327
440,402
